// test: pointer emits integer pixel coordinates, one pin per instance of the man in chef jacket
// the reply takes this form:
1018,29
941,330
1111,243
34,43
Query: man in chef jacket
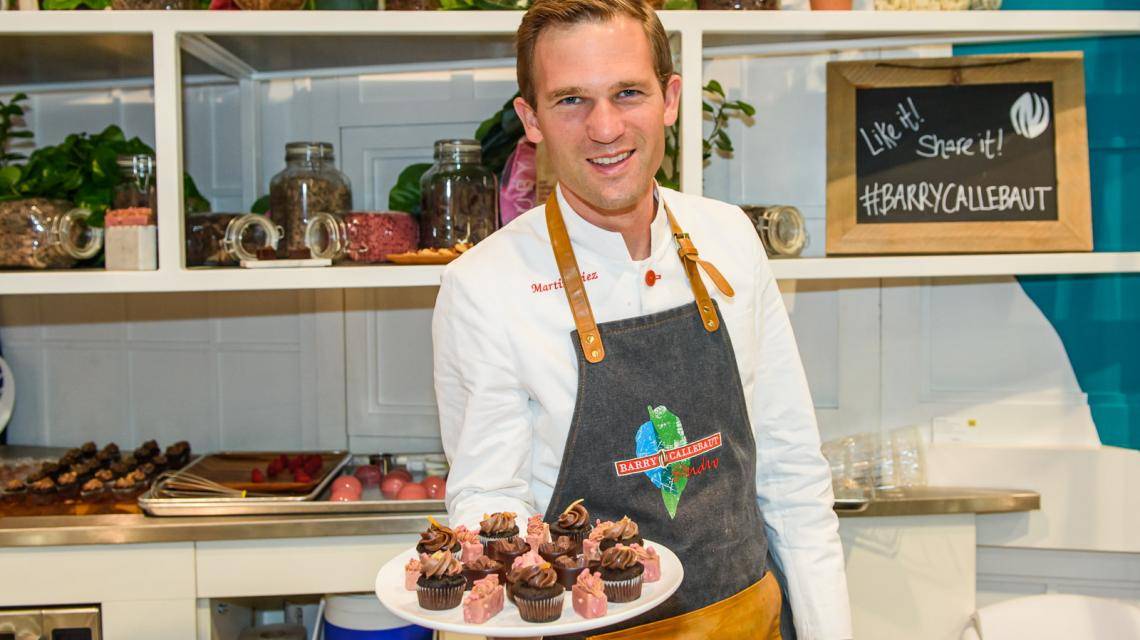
627,344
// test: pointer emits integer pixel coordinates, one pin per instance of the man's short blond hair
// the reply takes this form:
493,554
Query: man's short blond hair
547,13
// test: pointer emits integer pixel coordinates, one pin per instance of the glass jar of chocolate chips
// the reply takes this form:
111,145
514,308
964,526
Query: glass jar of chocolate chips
309,184
38,233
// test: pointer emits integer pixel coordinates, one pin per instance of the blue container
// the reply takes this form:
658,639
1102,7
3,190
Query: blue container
362,617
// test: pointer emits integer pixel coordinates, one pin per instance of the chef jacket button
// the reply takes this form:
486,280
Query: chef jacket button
651,278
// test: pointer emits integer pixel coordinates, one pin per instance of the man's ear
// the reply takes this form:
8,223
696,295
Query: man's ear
529,120
672,99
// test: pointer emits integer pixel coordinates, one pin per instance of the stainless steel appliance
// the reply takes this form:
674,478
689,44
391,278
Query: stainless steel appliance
51,623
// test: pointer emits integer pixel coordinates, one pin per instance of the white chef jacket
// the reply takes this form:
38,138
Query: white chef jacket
506,378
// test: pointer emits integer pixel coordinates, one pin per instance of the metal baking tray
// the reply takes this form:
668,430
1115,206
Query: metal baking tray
372,501
249,505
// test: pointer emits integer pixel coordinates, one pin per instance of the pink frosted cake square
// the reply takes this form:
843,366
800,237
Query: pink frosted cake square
649,559
484,601
589,595
472,549
537,531
411,574
590,550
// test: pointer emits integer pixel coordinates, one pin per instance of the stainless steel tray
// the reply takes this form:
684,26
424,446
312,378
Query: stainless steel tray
250,505
372,502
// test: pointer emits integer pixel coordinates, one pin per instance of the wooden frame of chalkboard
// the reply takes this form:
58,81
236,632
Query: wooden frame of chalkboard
971,154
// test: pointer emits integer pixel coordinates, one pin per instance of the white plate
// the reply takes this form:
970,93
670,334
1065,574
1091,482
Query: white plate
507,624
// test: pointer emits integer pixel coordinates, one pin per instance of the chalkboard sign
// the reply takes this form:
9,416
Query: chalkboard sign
957,155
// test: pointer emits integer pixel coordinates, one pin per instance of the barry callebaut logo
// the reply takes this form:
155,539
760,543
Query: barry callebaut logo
543,287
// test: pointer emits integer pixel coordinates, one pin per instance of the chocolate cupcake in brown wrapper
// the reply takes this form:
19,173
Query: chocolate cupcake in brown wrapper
538,595
440,585
621,574
438,538
624,531
574,523
498,526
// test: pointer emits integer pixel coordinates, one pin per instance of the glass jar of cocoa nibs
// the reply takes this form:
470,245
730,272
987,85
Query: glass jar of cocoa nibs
224,239
459,196
37,233
310,183
362,236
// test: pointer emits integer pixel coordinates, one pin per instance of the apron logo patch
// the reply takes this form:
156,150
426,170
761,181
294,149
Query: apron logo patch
663,455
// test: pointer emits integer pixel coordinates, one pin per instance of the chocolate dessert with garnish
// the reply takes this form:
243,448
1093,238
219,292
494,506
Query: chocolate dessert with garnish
498,526
623,531
438,538
574,523
538,594
621,573
440,586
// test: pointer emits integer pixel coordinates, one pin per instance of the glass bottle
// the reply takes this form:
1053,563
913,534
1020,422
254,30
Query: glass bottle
310,183
137,185
459,196
38,233
781,228
220,239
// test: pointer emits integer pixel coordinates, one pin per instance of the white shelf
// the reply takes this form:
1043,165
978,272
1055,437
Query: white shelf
355,277
164,48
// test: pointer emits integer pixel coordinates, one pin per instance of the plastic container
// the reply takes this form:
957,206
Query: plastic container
362,617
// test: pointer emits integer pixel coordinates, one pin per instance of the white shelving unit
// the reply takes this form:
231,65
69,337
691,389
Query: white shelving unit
166,48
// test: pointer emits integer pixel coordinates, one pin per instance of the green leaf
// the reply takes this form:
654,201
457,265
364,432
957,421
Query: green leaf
706,107
714,87
405,195
9,176
680,5
748,109
261,205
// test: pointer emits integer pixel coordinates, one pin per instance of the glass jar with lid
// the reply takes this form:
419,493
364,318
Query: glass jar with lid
310,183
38,233
459,196
137,187
781,228
362,236
221,239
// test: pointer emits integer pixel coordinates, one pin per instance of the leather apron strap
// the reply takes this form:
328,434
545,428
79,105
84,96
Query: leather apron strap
753,613
584,321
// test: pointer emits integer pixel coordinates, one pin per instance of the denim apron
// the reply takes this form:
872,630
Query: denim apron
660,433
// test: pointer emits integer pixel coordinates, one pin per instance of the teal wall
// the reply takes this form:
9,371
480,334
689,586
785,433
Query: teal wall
1098,317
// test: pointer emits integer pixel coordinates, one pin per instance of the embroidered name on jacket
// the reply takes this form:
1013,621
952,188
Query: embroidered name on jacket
542,287
664,454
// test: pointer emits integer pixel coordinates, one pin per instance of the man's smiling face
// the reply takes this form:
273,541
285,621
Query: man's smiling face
600,111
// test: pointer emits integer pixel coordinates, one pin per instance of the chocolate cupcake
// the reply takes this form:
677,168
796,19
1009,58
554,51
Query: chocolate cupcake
85,470
94,492
568,568
123,466
67,485
14,493
106,476
538,594
71,457
438,538
498,526
623,531
480,568
506,550
42,493
126,488
108,456
161,463
147,470
51,470
88,450
574,523
178,454
563,546
143,455
440,585
621,574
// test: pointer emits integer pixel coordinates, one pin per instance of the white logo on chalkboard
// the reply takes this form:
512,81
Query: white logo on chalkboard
1030,115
